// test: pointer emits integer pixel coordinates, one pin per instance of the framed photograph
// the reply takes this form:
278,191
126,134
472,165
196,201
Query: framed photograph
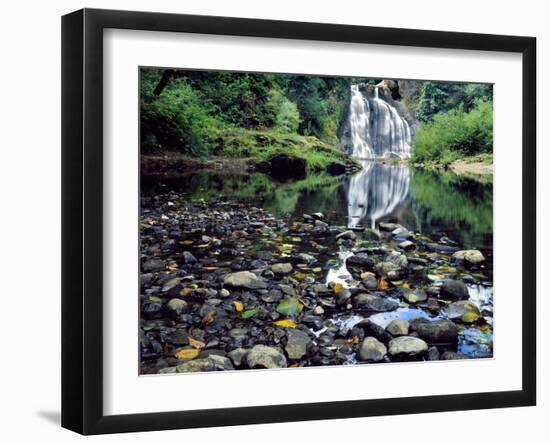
269,221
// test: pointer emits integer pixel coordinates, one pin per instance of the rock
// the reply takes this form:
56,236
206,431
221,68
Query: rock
296,346
237,355
258,264
369,281
244,279
281,268
318,310
177,306
464,311
441,249
360,260
401,233
407,346
449,355
224,293
414,296
268,357
318,215
433,305
471,257
343,296
371,302
306,258
211,363
395,262
153,265
454,290
388,226
407,245
151,310
320,224
433,354
189,258
372,350
347,235
170,284
398,327
436,331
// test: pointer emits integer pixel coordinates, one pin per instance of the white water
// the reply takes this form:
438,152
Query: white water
376,191
377,129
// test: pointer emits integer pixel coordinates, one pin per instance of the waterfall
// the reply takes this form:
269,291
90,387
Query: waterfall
376,128
376,191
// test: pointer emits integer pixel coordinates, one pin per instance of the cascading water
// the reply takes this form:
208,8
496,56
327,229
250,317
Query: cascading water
376,128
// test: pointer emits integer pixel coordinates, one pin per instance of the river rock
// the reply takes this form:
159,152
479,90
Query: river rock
369,281
267,357
306,258
281,268
401,233
372,350
464,310
244,279
436,331
296,346
388,226
393,263
211,363
414,296
407,245
453,290
407,346
360,260
398,327
237,356
347,235
469,257
153,265
371,302
372,234
450,355
189,258
177,306
440,249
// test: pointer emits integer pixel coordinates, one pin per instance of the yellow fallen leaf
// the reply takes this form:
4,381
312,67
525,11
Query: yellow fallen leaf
184,292
208,318
406,285
196,343
187,354
286,323
383,284
238,306
470,317
353,340
294,365
338,288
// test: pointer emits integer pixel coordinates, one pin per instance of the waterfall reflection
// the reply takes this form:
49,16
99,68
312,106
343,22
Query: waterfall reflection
376,192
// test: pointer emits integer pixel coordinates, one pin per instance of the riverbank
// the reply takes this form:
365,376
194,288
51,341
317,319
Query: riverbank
226,285
277,153
479,167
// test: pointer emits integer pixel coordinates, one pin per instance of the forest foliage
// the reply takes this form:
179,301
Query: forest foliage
455,121
195,110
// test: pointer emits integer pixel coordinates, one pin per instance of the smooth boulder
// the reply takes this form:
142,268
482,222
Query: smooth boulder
372,350
244,279
265,357
407,346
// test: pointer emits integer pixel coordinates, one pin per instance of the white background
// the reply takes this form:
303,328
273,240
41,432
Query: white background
30,221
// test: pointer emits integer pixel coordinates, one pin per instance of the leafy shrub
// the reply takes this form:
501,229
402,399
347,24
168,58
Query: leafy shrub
455,134
176,120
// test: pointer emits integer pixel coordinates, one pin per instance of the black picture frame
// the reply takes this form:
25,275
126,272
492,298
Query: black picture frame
82,218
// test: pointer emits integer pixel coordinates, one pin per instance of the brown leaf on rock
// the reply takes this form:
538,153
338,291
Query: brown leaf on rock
187,354
196,343
383,284
208,318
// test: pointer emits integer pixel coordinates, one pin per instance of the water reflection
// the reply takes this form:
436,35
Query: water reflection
376,191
